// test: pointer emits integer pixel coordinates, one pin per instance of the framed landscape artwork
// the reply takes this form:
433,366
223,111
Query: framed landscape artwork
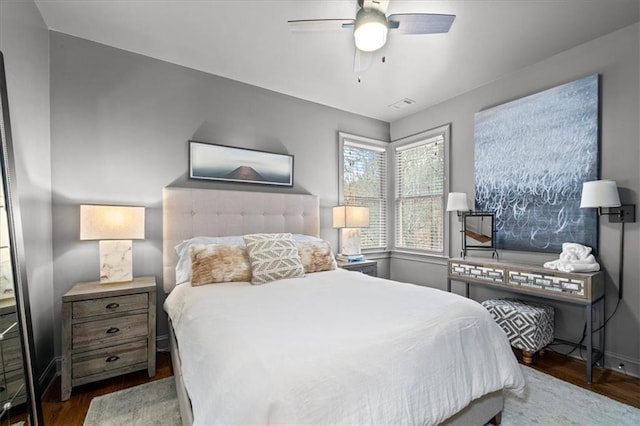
531,157
230,164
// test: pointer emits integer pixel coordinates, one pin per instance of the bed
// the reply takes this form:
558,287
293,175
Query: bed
332,347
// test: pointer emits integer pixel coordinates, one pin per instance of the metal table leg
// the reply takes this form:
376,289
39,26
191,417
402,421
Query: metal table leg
589,337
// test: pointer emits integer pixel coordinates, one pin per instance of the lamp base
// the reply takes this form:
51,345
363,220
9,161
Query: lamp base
350,241
116,261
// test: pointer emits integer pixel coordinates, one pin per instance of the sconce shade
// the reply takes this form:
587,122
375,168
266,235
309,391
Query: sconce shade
600,193
111,222
350,217
457,201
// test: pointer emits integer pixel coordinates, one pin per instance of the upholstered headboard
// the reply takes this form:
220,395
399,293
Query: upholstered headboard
188,212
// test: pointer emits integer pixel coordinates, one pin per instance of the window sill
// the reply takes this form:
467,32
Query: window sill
438,259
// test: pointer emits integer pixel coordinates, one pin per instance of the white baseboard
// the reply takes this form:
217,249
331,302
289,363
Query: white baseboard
612,360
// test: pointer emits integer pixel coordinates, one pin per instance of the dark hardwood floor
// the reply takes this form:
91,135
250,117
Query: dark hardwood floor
613,384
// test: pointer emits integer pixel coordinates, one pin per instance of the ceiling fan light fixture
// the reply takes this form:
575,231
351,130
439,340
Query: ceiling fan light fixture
370,32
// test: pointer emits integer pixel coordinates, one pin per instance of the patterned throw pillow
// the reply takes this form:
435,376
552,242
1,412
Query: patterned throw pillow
273,257
316,256
217,263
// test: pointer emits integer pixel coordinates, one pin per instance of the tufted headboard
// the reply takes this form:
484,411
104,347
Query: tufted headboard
189,212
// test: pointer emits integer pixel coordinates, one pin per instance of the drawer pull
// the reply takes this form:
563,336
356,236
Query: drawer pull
112,305
113,358
113,330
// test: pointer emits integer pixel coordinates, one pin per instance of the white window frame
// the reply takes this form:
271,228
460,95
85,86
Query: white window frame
445,132
376,145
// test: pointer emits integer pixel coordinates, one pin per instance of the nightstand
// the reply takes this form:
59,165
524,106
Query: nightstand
368,267
107,330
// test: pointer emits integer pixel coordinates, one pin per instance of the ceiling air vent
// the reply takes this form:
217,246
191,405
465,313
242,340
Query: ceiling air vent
403,103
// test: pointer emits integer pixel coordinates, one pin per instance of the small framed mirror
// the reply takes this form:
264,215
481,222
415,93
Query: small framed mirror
478,232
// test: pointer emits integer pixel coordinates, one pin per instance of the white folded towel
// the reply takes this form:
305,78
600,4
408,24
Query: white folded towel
574,258
575,251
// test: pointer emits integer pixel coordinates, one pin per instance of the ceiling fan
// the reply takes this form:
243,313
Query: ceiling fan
371,25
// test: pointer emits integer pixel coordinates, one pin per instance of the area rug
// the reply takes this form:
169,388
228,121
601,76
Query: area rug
154,403
547,401
551,401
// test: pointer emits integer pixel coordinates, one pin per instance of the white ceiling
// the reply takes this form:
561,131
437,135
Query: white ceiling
250,41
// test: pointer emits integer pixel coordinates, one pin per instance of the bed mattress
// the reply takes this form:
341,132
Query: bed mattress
335,347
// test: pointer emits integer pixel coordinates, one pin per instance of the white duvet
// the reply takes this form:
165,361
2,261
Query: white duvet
335,347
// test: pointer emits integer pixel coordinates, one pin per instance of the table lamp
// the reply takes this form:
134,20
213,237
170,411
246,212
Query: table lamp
350,219
114,227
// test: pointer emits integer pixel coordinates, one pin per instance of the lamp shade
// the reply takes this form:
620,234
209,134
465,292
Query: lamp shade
350,217
600,193
111,222
457,201
370,32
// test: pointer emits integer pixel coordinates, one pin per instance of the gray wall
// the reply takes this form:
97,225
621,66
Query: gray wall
24,40
616,58
120,123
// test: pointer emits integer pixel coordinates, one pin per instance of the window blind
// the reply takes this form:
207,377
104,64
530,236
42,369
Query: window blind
420,186
364,184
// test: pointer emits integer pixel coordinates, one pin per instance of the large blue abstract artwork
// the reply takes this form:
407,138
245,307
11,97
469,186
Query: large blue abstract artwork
531,157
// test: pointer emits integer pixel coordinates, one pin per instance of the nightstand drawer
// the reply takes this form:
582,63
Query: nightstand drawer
367,267
369,270
112,329
109,359
11,354
7,321
109,305
10,383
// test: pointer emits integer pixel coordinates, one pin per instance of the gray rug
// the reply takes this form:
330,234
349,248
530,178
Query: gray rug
548,401
154,403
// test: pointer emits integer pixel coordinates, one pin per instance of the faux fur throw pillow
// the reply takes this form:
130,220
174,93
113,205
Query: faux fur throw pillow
217,263
316,256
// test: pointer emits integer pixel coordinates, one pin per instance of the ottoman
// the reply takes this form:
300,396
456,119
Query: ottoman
529,326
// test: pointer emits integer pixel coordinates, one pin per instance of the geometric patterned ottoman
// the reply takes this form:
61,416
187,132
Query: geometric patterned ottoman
529,326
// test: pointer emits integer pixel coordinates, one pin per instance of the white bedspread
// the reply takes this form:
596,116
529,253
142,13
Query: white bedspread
335,347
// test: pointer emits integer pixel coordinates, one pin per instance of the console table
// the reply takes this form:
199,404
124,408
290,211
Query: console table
585,289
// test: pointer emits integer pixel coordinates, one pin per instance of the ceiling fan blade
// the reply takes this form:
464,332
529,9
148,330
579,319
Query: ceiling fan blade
420,23
320,24
362,60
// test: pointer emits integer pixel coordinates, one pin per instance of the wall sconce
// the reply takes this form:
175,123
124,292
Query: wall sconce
114,227
350,219
457,202
604,194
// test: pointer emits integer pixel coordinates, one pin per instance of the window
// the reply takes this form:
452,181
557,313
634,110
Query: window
420,189
364,183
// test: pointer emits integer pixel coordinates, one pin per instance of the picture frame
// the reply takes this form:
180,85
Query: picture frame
224,163
532,156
